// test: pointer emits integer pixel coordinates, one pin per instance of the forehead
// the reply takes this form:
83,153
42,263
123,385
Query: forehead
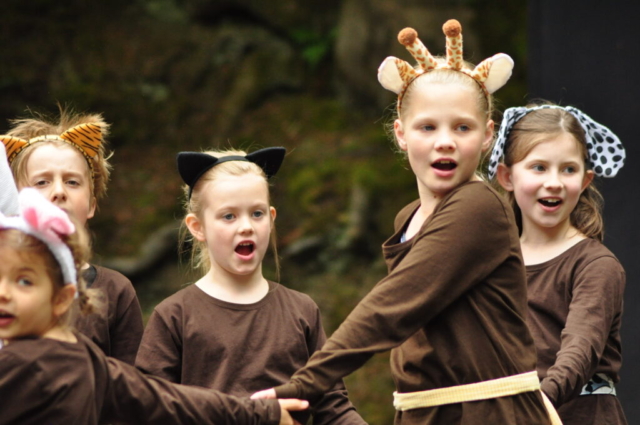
15,257
561,145
48,156
435,97
229,189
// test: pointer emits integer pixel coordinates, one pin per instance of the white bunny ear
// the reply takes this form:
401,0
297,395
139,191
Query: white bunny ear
389,75
501,66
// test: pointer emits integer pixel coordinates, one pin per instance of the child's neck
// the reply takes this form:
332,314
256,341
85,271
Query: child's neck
540,245
234,288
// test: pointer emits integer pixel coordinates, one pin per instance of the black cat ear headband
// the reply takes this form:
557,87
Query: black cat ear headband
606,154
193,165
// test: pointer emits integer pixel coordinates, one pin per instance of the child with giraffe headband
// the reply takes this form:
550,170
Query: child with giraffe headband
546,157
65,160
452,309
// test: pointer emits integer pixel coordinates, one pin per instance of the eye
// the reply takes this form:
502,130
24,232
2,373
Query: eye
73,182
464,128
23,281
570,169
538,167
39,183
228,217
258,214
427,127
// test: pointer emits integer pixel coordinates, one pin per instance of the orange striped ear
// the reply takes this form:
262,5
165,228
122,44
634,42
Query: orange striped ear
87,137
13,145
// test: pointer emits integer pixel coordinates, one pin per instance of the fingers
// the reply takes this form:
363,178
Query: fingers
293,404
270,393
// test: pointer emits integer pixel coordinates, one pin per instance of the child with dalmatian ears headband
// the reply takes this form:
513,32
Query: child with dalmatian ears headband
575,284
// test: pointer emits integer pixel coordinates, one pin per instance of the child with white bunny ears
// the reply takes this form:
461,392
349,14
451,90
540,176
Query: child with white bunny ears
52,374
452,309
575,284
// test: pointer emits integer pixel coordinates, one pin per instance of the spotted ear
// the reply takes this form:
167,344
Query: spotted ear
395,74
494,72
13,145
87,136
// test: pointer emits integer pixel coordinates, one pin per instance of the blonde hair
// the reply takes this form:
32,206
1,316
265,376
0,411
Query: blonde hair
539,126
194,205
78,243
443,76
28,128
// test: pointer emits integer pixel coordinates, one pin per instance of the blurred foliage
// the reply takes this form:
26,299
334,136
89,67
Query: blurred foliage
176,75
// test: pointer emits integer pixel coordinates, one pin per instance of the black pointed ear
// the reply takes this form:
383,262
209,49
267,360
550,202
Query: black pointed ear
192,165
269,159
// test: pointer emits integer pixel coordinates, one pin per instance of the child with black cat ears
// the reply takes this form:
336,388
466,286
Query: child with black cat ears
546,157
233,330
452,309
51,374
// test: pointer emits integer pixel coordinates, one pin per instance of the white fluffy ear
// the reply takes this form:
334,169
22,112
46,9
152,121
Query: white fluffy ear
499,72
389,76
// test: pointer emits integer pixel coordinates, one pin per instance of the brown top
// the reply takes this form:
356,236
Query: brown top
452,308
575,311
117,328
46,381
195,339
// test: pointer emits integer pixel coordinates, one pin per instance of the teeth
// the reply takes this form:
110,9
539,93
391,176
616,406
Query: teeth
246,244
444,162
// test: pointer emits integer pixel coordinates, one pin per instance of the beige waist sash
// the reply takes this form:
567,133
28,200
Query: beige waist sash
494,388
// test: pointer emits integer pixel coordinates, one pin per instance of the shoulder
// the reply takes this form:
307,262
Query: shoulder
292,297
112,281
174,303
477,197
591,253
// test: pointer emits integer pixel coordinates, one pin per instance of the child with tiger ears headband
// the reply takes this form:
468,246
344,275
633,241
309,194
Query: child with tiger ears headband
66,161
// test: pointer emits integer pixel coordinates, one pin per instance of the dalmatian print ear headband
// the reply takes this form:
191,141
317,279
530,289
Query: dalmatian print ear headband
606,153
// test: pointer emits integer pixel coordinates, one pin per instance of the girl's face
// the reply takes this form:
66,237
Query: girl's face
444,134
235,223
62,175
547,183
26,295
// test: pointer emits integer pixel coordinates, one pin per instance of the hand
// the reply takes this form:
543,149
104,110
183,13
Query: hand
270,393
286,405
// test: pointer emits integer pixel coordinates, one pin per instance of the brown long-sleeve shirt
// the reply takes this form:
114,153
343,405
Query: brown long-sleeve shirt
575,312
195,339
46,381
452,310
117,326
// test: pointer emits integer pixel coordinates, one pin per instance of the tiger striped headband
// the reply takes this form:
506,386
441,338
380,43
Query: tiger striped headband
396,75
86,138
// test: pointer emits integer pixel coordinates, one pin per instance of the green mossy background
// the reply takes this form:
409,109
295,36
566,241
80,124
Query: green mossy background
173,75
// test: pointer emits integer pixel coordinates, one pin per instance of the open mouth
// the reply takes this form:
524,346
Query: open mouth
550,202
444,165
245,248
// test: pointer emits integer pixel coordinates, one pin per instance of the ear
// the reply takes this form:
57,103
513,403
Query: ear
63,300
195,226
398,130
273,213
588,178
488,136
503,174
92,207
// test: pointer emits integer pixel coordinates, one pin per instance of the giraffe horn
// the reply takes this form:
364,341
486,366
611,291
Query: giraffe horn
408,37
453,32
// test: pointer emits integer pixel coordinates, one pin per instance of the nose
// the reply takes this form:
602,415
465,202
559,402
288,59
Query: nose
58,191
553,182
246,226
444,141
5,295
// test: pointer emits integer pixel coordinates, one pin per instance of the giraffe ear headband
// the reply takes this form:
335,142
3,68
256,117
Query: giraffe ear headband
193,165
606,154
395,74
86,137
45,222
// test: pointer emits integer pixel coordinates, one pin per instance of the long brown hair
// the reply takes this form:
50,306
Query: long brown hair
539,126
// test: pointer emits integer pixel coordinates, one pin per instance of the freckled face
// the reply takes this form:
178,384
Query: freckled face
62,175
444,134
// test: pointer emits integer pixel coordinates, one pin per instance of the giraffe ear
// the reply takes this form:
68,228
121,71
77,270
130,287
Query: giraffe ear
13,145
87,136
394,74
498,71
